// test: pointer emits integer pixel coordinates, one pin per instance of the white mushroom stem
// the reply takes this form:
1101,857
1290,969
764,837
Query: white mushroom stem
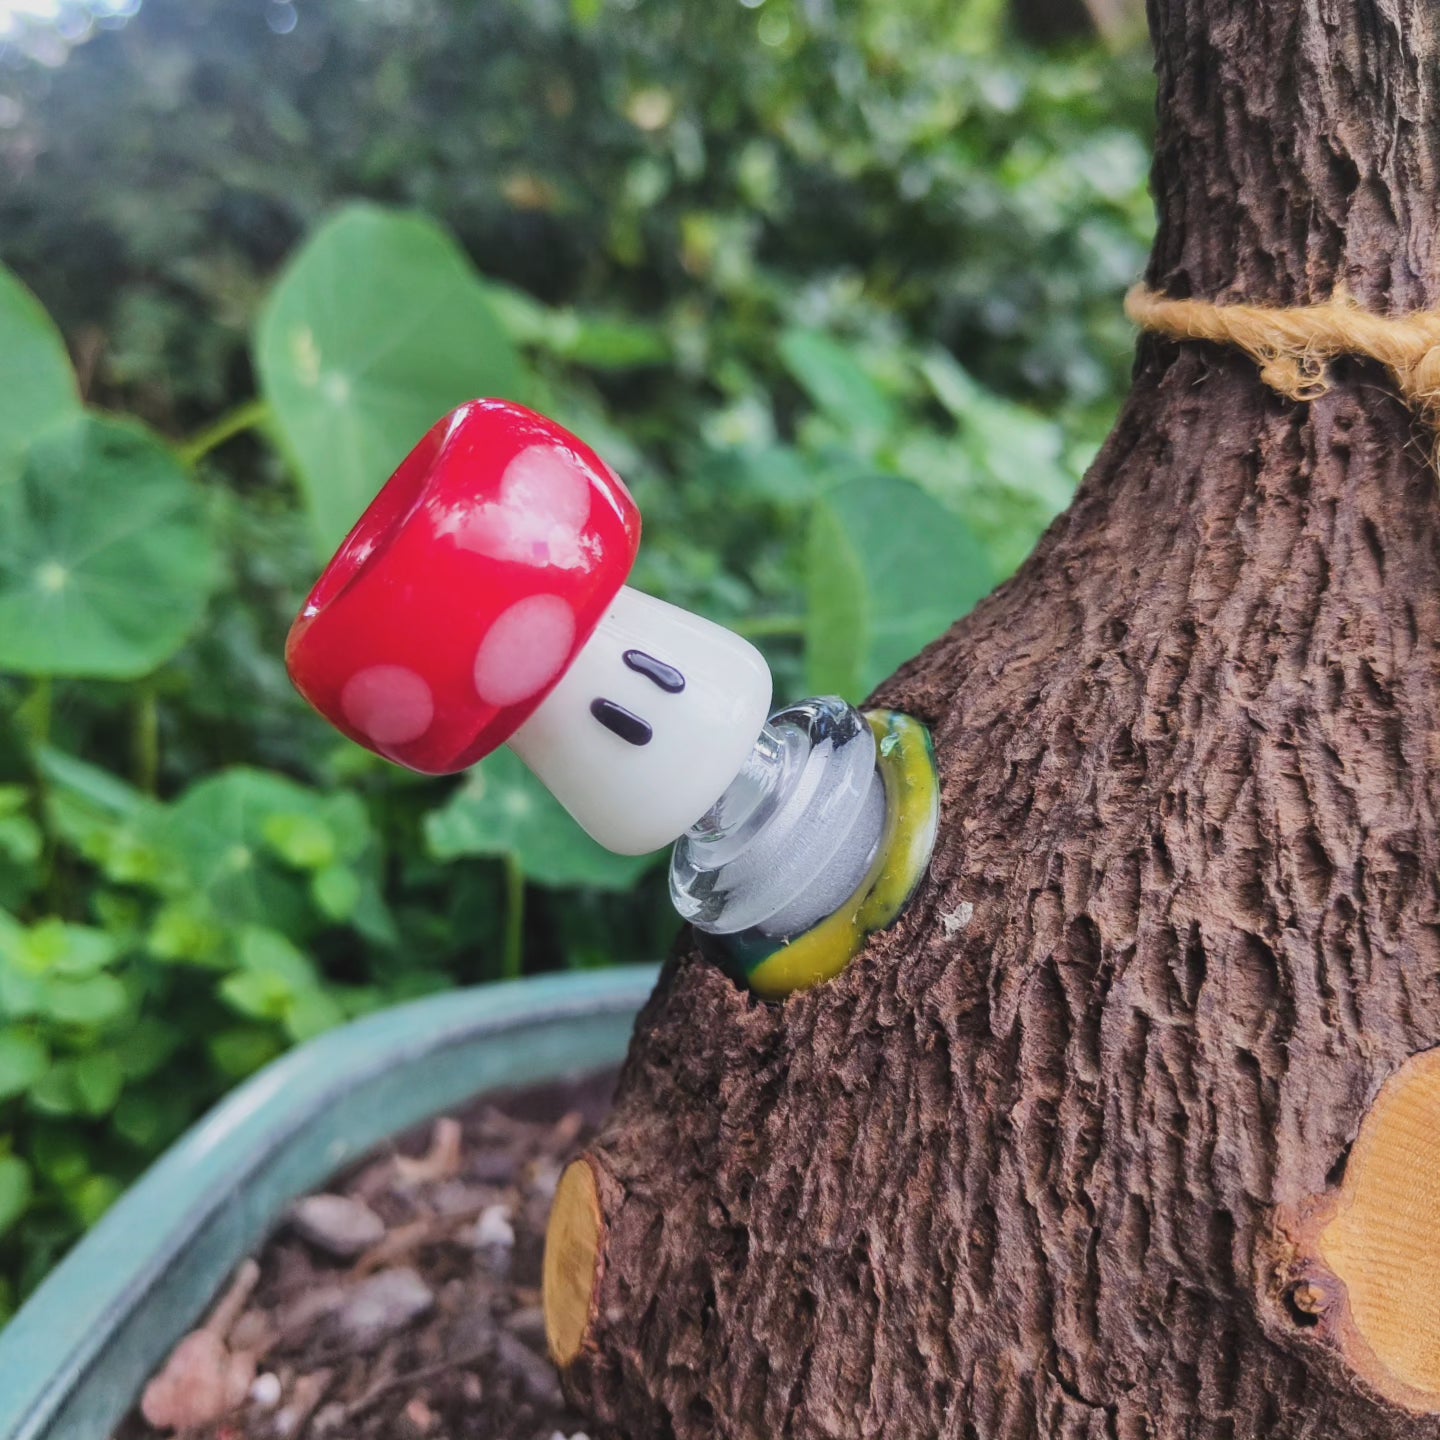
654,719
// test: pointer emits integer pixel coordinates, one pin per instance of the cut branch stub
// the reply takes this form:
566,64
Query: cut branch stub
574,1243
1367,1254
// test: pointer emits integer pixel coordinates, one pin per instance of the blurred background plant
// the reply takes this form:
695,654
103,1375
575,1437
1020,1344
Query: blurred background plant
833,283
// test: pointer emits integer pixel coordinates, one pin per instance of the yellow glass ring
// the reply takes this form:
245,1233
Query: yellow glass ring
906,761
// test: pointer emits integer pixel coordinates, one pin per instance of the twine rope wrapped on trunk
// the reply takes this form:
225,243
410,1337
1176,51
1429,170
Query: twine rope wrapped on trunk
1293,347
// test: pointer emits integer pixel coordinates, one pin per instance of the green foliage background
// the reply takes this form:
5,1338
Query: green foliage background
834,285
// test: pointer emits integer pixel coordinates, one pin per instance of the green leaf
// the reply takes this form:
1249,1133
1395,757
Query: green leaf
348,821
273,976
21,993
60,1153
184,932
266,952
304,842
503,810
95,812
1006,471
241,1051
311,1013
121,916
376,330
602,343
599,342
23,1060
55,948
114,846
54,1093
834,381
21,839
887,570
151,1118
261,997
98,788
139,1119
93,1197
214,840
15,1190
371,916
336,891
18,881
94,1001
105,559
145,1047
37,385
99,1079
12,933
524,318
22,844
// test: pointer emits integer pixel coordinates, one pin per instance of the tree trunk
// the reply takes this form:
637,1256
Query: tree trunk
1056,1156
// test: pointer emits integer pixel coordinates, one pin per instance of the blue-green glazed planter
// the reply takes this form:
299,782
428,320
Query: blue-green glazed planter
77,1355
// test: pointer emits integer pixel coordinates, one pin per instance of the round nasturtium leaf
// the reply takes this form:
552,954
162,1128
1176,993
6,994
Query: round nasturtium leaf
105,558
214,838
37,385
887,570
377,329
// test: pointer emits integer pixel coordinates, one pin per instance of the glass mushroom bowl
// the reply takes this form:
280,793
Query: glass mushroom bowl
481,600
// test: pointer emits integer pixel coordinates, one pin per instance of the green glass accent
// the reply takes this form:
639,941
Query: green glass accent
912,798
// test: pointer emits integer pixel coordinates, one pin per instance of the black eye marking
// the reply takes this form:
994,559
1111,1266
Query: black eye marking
619,721
667,677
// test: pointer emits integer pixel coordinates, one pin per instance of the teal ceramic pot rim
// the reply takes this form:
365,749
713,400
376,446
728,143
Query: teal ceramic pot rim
75,1357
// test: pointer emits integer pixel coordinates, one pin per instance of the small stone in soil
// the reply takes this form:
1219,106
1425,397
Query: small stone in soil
419,1417
265,1392
493,1229
337,1224
382,1305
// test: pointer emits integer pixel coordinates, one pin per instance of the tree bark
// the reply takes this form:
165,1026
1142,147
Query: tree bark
1043,1161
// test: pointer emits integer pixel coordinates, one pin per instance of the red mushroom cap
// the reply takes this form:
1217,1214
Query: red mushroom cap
466,589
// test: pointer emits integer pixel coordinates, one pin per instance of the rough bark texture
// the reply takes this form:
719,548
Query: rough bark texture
1017,1172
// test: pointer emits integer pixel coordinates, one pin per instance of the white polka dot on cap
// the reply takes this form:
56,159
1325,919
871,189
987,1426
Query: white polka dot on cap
538,517
389,703
524,650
